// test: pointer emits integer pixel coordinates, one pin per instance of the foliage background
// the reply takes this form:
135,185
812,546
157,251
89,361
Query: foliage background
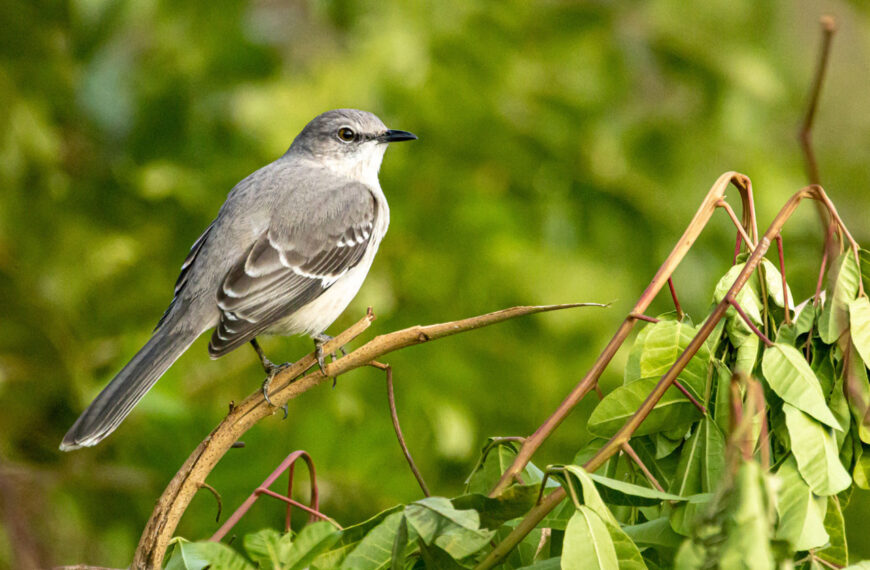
563,147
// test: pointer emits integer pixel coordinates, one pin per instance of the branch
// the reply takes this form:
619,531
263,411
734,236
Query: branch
590,380
285,386
535,515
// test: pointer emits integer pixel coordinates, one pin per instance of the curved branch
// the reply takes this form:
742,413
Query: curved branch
285,386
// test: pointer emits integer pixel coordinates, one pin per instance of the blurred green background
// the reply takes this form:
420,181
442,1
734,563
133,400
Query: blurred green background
563,148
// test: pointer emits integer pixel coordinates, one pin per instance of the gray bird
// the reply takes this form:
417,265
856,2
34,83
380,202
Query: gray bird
288,251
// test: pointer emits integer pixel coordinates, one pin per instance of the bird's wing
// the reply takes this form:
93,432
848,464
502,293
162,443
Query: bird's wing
185,270
292,263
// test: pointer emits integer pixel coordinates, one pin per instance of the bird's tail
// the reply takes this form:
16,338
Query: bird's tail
130,385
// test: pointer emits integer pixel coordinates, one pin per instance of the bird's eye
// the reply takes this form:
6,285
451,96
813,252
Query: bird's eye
346,134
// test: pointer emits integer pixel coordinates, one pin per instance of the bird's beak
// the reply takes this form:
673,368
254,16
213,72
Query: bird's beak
396,136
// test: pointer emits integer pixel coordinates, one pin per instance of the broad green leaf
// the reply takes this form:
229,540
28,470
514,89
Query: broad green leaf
773,281
815,449
206,554
748,529
801,513
657,349
657,532
587,543
687,480
713,462
842,289
747,297
840,408
857,392
838,551
314,539
790,376
434,556
618,492
722,412
268,547
511,503
674,409
496,456
530,549
548,564
349,539
861,471
588,491
665,445
456,531
684,515
375,550
627,553
859,326
400,546
747,355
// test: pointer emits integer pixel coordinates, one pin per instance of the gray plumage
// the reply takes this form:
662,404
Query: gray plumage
286,254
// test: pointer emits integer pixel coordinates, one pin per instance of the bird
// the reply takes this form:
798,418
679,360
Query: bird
286,254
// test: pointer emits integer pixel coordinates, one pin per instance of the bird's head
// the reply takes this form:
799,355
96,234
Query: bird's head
348,141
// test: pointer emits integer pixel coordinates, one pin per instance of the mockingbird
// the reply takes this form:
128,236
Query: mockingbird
287,252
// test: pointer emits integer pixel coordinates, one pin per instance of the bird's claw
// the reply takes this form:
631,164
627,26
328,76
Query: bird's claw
272,370
319,341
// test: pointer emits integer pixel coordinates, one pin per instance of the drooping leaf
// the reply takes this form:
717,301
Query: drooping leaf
314,539
815,449
773,281
842,289
657,532
456,531
665,445
267,547
861,470
722,411
674,409
206,554
713,461
801,513
375,550
349,539
496,456
856,389
587,543
747,355
748,529
618,492
838,551
790,376
511,503
627,553
656,350
748,299
859,326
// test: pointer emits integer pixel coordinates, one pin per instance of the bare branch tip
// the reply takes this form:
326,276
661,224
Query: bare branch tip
829,23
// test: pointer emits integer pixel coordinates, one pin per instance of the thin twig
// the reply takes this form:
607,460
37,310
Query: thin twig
691,398
642,317
590,379
286,385
626,447
217,497
748,321
677,306
782,274
395,416
805,135
741,231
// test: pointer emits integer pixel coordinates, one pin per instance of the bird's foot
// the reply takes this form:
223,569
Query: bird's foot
272,370
319,341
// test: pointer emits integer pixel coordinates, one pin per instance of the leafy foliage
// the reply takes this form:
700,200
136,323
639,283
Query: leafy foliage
757,490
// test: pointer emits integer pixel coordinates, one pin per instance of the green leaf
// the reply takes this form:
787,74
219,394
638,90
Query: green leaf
588,491
496,456
790,376
684,515
859,326
687,480
838,551
587,543
267,547
861,471
748,529
511,503
842,289
456,531
400,546
801,513
815,449
627,554
657,532
548,564
375,550
747,355
713,461
722,411
748,299
857,392
618,492
773,281
665,445
206,554
349,539
311,541
659,346
673,410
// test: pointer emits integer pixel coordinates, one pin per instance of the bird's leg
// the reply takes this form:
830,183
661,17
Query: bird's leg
319,341
271,370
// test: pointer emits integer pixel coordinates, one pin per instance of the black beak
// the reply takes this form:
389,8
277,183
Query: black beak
396,136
